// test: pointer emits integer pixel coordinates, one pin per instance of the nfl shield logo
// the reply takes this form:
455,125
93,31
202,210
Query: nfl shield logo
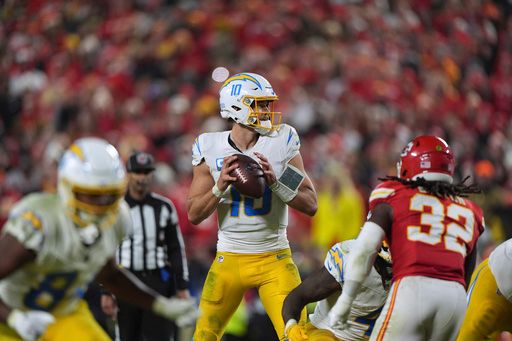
219,163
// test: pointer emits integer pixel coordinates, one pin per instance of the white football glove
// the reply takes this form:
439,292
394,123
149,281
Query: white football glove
338,315
180,310
30,325
188,319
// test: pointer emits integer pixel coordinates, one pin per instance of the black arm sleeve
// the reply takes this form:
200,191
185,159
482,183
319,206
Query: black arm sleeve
176,250
469,266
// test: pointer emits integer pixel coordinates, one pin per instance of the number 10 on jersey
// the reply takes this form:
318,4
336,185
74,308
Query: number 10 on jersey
249,204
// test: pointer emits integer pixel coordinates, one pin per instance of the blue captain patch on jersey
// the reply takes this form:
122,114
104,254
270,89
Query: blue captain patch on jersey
219,162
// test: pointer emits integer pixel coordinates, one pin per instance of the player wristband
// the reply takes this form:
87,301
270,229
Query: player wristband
289,324
288,184
217,192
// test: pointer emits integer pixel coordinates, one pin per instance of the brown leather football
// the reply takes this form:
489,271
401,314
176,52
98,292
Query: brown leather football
251,181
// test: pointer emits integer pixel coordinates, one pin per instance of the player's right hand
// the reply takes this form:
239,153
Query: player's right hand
30,325
294,332
109,305
228,165
338,315
174,308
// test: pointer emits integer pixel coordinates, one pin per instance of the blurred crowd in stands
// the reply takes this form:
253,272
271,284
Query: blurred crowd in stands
357,78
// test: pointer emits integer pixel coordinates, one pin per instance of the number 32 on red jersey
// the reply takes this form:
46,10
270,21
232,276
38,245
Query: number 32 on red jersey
434,214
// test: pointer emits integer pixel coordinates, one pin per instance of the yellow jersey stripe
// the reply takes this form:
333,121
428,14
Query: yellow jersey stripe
381,193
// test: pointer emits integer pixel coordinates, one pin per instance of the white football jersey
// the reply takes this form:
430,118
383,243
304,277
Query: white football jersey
367,304
500,263
59,275
248,225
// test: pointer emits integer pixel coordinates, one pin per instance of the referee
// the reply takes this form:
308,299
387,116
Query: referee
154,252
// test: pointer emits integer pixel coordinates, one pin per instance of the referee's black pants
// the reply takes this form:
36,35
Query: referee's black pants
136,324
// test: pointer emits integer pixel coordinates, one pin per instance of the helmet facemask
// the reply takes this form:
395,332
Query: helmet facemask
263,122
86,206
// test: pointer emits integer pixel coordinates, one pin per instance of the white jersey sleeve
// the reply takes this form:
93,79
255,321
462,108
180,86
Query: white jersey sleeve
26,225
197,155
367,304
335,262
292,142
500,263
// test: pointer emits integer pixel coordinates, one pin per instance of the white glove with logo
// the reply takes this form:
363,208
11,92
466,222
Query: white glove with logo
182,311
30,325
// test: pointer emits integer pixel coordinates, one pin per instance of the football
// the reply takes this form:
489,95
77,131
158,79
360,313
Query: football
251,181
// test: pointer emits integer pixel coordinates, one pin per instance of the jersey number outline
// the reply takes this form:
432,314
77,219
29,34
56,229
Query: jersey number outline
238,200
51,291
440,231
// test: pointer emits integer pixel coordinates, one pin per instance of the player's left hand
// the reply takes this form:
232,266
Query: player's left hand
183,294
175,308
296,333
188,319
30,325
338,315
268,171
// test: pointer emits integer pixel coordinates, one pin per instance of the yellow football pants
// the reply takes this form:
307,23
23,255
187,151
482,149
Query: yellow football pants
274,274
77,326
315,334
488,313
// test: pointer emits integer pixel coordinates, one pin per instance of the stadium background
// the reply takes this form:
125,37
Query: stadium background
356,78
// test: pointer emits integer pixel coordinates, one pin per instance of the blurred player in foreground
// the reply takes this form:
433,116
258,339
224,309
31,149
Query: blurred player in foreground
432,231
490,297
326,285
54,245
252,248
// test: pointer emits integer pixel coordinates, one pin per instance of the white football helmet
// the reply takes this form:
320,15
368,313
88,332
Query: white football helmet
91,182
239,97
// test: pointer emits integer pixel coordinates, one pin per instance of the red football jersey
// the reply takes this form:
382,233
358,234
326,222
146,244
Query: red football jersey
429,236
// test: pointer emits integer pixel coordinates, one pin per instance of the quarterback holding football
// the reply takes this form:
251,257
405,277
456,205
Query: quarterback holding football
252,248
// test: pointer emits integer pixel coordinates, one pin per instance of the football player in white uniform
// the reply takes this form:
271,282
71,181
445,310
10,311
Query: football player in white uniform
55,244
252,248
326,285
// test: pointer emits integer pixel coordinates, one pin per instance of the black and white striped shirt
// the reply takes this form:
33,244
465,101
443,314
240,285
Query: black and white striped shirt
156,239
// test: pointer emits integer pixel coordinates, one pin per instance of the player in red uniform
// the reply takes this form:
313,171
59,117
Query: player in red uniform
432,230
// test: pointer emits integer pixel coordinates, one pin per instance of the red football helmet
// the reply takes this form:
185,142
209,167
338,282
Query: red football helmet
429,157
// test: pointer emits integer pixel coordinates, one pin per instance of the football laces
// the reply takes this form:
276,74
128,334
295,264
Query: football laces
240,175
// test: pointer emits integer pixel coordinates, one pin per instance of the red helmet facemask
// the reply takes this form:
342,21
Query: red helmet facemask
429,157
